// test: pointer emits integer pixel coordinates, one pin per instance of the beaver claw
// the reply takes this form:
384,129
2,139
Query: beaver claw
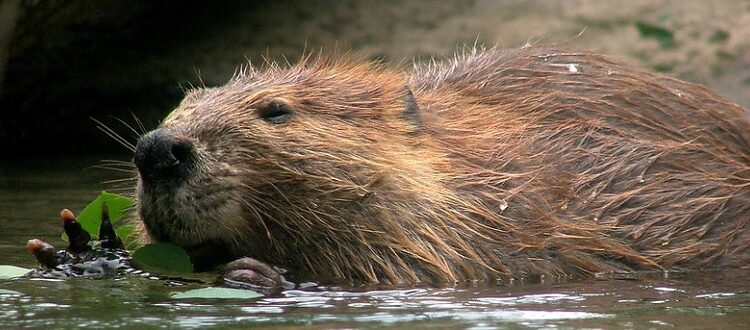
83,257
248,273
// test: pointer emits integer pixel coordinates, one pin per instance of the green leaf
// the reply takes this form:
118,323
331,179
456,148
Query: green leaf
162,258
217,293
718,36
127,234
662,35
91,216
7,271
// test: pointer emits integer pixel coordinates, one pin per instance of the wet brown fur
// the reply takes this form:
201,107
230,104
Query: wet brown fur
520,163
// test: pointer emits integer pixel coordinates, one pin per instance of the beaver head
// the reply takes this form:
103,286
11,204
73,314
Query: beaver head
287,165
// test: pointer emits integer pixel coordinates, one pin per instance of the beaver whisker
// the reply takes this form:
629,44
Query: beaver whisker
257,213
235,240
119,163
255,193
141,131
116,169
263,215
114,135
136,134
128,181
125,191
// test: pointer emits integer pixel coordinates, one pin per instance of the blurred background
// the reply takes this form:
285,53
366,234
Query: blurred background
64,62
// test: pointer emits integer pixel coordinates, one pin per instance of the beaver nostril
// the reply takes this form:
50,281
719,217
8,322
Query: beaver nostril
162,155
182,151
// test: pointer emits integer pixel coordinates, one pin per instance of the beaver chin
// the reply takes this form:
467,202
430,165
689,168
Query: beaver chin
168,220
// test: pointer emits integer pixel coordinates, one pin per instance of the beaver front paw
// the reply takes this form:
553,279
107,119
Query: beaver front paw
248,273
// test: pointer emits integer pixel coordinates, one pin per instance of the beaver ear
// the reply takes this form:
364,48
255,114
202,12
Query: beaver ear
411,110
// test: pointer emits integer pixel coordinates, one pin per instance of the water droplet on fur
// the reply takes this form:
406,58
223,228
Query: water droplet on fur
503,204
611,72
546,57
574,68
641,179
677,92
571,67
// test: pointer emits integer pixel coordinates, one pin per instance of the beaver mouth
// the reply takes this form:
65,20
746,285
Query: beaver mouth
201,237
179,215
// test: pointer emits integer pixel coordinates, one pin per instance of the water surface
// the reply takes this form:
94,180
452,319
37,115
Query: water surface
32,193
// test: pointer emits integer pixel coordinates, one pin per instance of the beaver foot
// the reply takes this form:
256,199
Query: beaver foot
249,273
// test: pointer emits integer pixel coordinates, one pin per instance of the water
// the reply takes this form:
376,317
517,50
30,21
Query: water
32,194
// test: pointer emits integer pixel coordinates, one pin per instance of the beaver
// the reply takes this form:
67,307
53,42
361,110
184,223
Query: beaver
496,164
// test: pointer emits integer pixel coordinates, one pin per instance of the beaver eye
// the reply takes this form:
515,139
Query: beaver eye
275,112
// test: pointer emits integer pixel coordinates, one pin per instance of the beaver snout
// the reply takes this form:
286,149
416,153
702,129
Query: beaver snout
162,155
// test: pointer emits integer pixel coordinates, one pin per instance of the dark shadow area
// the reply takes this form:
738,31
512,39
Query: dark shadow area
71,61
63,62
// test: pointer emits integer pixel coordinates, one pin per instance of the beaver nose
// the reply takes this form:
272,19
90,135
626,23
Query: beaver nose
162,155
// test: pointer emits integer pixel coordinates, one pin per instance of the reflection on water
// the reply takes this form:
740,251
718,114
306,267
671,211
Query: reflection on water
31,196
701,300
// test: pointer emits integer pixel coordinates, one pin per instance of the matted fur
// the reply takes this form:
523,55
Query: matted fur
523,163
